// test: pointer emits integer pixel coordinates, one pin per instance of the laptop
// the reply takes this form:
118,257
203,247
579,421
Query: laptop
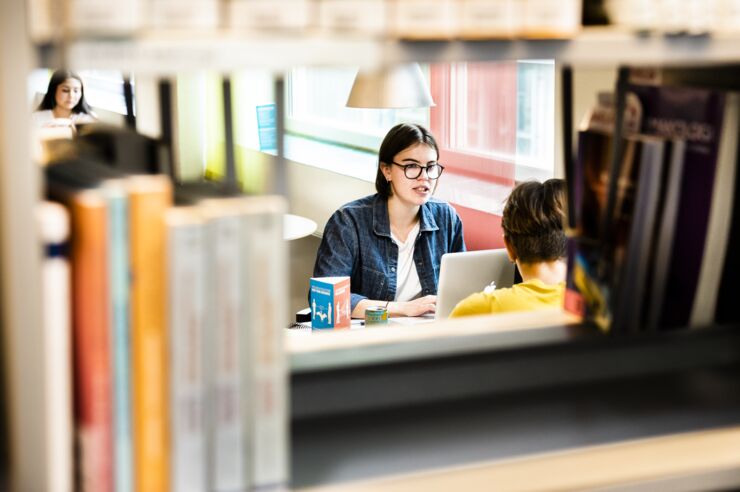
462,274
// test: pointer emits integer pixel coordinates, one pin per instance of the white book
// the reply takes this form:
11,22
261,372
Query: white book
265,272
720,217
53,222
227,432
188,326
261,15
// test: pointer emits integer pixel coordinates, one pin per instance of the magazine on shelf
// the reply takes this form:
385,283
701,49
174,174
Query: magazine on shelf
664,232
639,192
589,282
719,228
696,116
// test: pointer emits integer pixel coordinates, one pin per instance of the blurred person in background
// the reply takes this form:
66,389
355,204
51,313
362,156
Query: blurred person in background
534,237
64,104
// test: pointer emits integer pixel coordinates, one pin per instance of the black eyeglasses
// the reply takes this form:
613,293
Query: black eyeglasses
413,171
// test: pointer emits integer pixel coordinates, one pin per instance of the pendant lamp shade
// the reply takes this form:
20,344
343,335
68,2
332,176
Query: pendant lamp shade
397,86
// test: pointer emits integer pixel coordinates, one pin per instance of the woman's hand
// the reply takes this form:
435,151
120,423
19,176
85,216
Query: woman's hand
417,307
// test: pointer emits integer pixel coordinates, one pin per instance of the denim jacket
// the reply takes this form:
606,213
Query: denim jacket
357,243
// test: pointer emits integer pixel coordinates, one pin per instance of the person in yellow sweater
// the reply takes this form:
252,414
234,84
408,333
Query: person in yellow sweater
535,240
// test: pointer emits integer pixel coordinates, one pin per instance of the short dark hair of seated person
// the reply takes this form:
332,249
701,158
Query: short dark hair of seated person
64,100
535,239
390,243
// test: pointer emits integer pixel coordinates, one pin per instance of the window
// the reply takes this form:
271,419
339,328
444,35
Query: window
104,90
496,121
495,124
535,130
316,109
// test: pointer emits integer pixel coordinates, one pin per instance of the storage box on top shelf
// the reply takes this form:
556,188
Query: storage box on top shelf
490,19
422,19
545,19
44,20
183,14
104,18
361,17
270,15
675,16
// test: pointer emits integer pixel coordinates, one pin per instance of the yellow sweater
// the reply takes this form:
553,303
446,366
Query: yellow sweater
526,296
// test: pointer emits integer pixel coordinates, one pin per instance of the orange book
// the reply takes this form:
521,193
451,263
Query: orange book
150,196
91,335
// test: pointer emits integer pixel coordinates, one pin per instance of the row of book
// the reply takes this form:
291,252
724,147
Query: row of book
417,19
655,217
164,350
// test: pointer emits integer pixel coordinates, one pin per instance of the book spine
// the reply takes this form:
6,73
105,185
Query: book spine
638,219
54,229
91,328
149,196
664,233
720,219
228,432
695,115
266,284
187,324
121,348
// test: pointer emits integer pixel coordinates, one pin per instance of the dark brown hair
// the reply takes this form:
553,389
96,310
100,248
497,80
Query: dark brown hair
533,220
398,139
49,101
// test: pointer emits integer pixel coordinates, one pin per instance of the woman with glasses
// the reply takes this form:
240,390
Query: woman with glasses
390,243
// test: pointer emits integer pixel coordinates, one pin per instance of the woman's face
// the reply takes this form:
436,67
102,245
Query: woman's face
413,191
68,93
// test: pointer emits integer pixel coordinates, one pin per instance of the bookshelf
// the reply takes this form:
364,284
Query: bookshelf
156,54
168,53
21,260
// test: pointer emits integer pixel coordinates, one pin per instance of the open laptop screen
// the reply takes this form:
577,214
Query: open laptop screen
462,274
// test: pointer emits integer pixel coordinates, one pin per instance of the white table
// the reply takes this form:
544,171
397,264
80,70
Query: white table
295,226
